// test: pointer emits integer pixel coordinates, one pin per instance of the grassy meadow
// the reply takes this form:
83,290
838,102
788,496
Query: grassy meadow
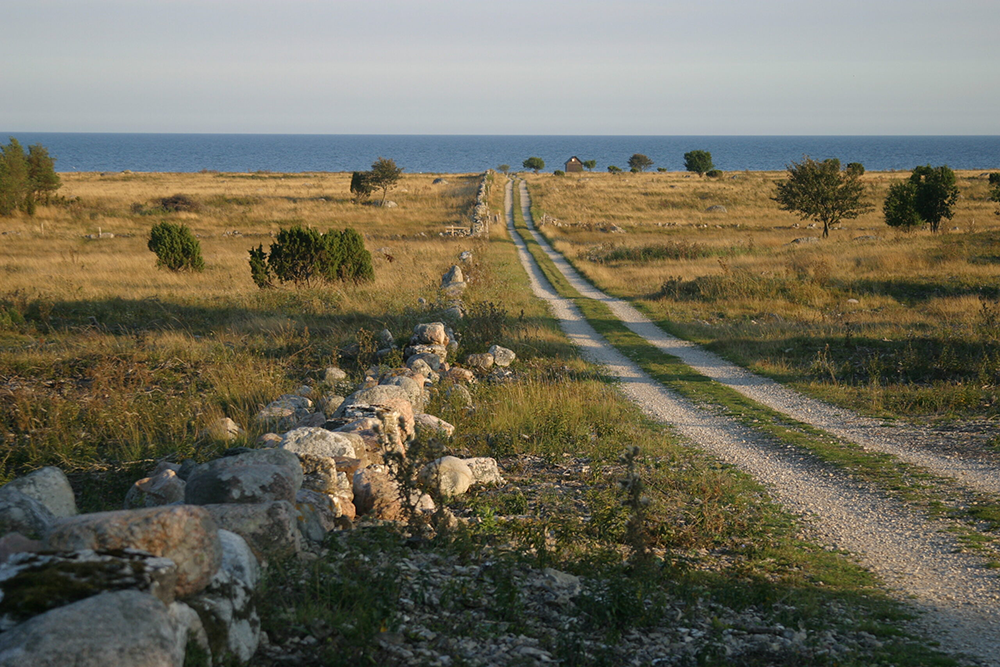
108,363
887,322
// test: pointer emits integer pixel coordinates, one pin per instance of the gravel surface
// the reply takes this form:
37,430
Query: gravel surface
959,595
910,444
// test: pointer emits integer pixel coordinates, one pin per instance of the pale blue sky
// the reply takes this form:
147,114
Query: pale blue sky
509,67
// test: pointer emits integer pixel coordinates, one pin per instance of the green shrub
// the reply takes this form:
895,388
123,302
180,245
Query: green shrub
301,256
714,173
176,247
558,172
995,178
855,168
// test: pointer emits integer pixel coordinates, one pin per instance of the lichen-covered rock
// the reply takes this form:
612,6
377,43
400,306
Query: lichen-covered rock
12,544
459,394
33,583
314,441
116,628
284,412
433,424
464,375
376,395
440,351
414,391
377,495
430,333
227,608
162,487
269,528
256,476
185,534
322,474
50,487
454,275
418,365
502,356
23,514
431,361
480,362
317,515
333,375
484,470
448,476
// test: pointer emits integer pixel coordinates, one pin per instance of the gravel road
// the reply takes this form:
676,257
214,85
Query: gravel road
959,596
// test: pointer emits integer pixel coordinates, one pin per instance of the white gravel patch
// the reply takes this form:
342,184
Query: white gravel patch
960,597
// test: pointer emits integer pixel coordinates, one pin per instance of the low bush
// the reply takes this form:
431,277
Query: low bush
178,204
176,247
301,256
714,173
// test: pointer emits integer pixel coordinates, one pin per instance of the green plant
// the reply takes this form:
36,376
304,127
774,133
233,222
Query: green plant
994,178
301,255
936,193
639,162
176,247
899,207
590,164
536,164
558,172
714,173
698,161
612,169
855,168
384,175
361,186
821,191
504,168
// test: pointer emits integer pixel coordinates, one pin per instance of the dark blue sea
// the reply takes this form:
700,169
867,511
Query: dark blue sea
476,153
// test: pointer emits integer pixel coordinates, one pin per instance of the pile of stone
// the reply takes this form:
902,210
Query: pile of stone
481,216
176,570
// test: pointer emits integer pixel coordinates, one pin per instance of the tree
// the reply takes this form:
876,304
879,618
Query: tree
534,163
384,175
936,193
176,247
899,209
855,168
821,191
42,177
361,186
14,185
504,168
590,164
639,162
612,169
698,162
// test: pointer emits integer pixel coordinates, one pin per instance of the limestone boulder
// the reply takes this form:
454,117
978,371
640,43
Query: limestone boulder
50,487
332,375
162,487
185,534
318,515
270,529
484,470
502,356
454,275
433,424
33,583
284,412
114,628
480,362
255,476
227,608
413,390
448,476
316,441
431,333
431,361
23,514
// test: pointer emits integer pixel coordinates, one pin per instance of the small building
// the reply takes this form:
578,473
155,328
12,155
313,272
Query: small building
573,164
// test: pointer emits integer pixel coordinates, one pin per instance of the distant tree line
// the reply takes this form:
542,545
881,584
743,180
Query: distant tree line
26,179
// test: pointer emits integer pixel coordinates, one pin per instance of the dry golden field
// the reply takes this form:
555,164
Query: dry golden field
895,323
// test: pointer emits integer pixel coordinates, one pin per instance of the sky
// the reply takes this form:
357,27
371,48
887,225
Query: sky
630,67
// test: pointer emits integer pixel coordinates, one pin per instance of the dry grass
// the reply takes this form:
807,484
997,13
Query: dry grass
905,319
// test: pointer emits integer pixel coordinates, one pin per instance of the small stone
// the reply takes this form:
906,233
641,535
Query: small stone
480,362
502,356
449,476
318,442
332,375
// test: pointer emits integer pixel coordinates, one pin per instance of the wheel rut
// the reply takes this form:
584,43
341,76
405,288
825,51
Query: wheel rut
958,595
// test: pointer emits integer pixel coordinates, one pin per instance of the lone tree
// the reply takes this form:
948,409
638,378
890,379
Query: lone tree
639,162
698,162
504,168
936,194
536,164
384,175
590,164
821,191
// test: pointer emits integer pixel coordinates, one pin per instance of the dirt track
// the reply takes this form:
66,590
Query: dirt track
961,597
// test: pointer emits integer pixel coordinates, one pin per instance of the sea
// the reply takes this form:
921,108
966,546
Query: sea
292,153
